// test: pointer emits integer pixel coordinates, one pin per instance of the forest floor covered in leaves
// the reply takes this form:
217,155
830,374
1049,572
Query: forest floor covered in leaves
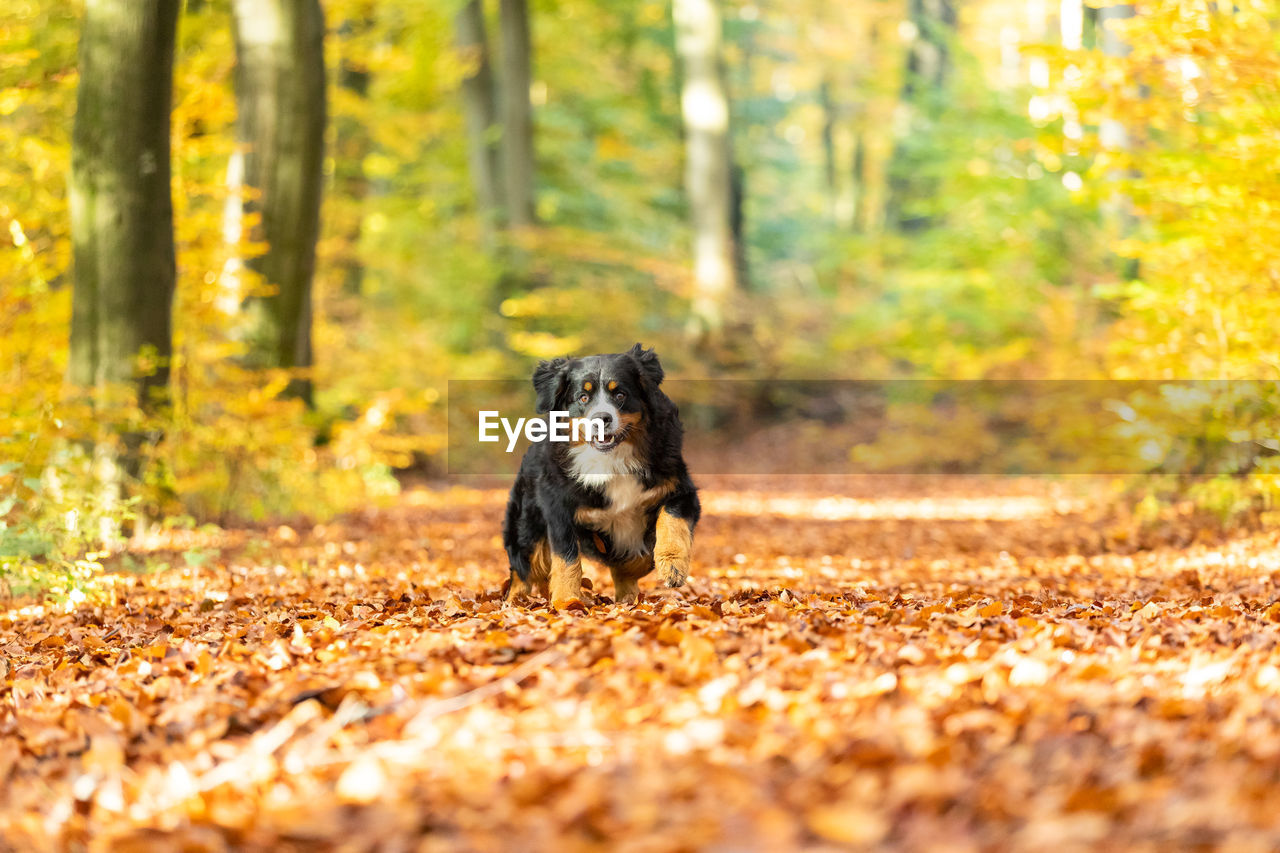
897,663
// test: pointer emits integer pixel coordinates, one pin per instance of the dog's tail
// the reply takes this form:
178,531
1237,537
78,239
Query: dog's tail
511,532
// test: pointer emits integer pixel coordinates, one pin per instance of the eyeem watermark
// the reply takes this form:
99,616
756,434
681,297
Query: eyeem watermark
558,426
1181,427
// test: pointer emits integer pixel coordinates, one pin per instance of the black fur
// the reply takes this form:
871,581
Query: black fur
545,496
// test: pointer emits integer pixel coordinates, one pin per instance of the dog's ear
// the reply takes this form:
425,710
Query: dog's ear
550,378
649,364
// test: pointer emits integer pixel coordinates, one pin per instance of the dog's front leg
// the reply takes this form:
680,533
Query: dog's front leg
673,545
566,568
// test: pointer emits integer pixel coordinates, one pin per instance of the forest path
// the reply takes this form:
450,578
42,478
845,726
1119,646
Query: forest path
907,663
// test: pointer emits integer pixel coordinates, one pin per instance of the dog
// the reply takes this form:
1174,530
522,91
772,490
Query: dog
623,499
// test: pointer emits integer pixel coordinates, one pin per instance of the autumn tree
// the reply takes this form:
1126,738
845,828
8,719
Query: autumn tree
1114,135
122,219
931,27
480,106
281,101
121,207
352,143
515,79
708,161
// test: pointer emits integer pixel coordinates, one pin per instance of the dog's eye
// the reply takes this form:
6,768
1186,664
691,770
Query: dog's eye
584,399
620,396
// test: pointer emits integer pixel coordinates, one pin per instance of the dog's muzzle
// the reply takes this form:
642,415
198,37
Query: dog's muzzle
614,433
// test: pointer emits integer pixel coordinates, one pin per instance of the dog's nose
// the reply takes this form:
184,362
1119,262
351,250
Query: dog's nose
606,417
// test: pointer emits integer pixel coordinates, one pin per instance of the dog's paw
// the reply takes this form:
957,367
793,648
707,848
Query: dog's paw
515,598
674,573
569,604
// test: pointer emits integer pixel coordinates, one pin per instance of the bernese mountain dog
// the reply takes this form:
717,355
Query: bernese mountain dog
623,499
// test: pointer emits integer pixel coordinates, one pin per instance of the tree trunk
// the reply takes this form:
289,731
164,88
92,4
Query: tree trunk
1117,209
1071,31
928,67
1112,133
479,105
826,100
738,222
121,206
873,145
280,96
928,58
858,181
352,145
122,221
708,161
516,77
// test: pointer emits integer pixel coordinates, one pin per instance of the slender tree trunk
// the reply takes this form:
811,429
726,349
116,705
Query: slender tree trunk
928,59
858,179
481,110
352,145
280,94
1114,136
737,175
1071,33
121,207
840,147
708,161
826,99
928,66
873,147
738,222
1112,133
516,77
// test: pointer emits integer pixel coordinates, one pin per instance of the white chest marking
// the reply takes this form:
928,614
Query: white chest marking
614,474
596,470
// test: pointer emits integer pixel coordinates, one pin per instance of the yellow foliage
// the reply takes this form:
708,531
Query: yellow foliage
1196,98
231,447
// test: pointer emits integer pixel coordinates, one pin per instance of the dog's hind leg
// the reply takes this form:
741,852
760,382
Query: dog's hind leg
519,589
626,590
626,579
539,574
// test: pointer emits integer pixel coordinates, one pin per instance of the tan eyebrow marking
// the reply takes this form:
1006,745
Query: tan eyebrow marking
613,386
587,386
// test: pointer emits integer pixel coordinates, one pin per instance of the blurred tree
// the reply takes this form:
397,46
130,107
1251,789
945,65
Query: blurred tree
933,24
280,94
352,144
122,219
121,207
877,79
479,105
830,119
516,78
708,162
1114,135
932,29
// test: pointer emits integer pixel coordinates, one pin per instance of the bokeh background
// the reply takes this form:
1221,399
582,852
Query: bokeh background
809,189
